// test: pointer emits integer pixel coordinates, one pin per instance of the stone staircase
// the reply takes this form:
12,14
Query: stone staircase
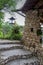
13,53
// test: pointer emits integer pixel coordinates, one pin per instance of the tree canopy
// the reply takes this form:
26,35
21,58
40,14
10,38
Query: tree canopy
7,3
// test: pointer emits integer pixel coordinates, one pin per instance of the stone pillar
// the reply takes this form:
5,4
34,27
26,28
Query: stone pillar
32,25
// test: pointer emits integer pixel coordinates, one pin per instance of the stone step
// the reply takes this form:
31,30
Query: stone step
9,42
15,53
31,61
10,47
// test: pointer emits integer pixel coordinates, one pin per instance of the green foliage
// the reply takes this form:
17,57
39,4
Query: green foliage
1,35
1,19
1,15
6,27
16,29
10,32
6,3
16,34
39,32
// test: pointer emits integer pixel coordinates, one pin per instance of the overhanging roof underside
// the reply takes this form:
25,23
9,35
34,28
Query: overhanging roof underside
31,4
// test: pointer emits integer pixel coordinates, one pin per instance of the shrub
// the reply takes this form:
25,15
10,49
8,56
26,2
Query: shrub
16,33
16,37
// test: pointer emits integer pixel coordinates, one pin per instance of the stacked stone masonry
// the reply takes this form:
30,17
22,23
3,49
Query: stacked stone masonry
32,22
30,38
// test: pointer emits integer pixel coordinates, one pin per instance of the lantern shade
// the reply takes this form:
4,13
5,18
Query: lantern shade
12,18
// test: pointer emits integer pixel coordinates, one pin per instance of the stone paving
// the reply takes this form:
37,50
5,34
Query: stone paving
11,55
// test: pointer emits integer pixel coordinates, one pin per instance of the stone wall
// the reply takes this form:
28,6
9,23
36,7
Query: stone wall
31,40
